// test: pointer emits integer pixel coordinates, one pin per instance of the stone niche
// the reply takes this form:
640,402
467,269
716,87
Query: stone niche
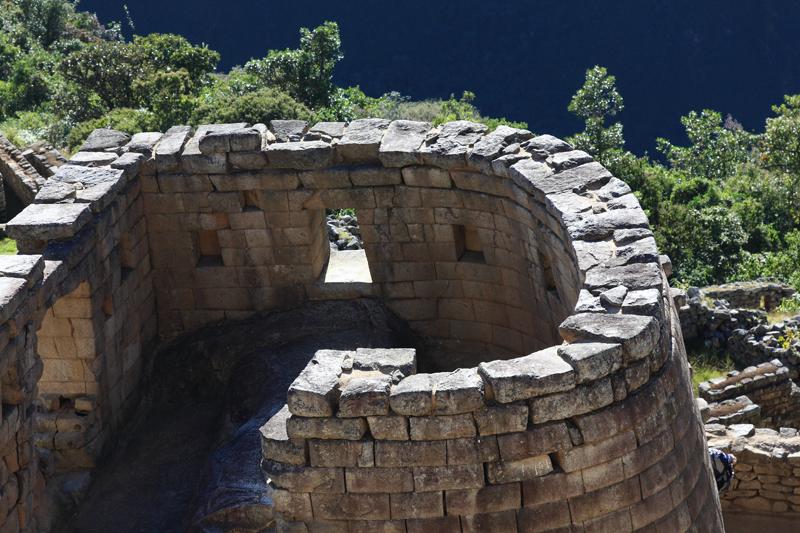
550,391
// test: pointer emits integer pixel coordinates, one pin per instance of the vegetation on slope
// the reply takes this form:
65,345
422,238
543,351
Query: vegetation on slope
724,207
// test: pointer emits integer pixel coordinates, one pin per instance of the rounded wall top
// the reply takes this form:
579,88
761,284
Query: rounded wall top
620,317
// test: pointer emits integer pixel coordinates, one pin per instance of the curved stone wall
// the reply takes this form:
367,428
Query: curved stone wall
571,408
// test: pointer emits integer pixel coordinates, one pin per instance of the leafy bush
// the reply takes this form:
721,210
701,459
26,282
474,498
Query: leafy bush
259,106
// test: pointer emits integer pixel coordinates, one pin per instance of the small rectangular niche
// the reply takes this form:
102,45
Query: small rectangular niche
547,273
126,258
347,261
468,244
208,245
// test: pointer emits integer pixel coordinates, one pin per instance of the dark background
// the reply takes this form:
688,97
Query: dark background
523,59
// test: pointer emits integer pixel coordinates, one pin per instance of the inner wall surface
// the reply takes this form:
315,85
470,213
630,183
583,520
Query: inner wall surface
478,275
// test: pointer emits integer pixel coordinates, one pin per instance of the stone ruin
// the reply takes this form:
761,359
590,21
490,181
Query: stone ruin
754,413
23,173
551,392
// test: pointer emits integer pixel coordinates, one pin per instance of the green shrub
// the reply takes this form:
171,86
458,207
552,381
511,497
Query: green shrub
259,106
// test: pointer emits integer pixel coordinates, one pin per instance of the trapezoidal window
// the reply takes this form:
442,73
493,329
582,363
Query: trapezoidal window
347,262
468,244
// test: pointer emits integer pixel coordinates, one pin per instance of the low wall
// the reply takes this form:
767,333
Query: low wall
767,469
768,385
751,294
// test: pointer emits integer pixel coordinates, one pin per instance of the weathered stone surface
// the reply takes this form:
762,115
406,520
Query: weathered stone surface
104,139
436,478
351,506
569,159
144,142
640,251
30,267
643,302
315,391
334,130
580,400
417,505
12,292
592,360
520,470
539,179
92,159
638,335
488,499
379,480
548,143
537,374
276,444
388,427
368,396
194,160
169,148
300,154
413,396
305,479
389,454
401,143
497,419
130,163
330,453
539,440
492,144
448,146
614,297
362,140
460,391
288,130
49,221
326,428
386,360
442,427
597,226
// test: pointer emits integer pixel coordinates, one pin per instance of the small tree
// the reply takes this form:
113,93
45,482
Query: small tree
717,148
306,73
781,142
596,102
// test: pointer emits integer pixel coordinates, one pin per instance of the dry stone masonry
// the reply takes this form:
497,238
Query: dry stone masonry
551,393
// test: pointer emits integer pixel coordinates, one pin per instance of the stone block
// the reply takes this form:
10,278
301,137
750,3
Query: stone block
386,360
379,480
326,428
539,440
438,478
49,221
276,444
505,521
388,427
519,470
389,454
304,479
331,453
422,176
592,360
315,391
489,499
445,524
606,500
362,139
497,419
537,374
552,487
549,517
638,335
417,505
442,427
580,400
460,391
401,142
351,506
413,396
368,396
